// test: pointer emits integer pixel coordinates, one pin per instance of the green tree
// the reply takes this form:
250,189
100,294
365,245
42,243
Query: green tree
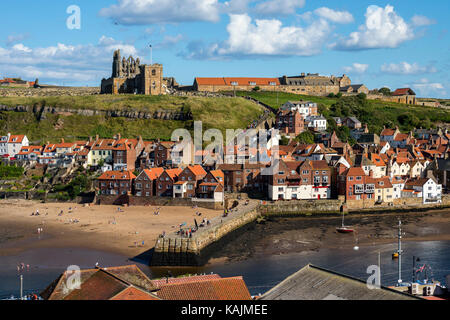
385,91
305,137
284,141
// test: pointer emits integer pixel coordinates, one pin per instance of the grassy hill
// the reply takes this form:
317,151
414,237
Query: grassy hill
220,113
373,112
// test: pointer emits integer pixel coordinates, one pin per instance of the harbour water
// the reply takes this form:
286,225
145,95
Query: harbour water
260,274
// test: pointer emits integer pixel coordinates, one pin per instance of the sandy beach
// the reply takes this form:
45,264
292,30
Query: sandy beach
98,227
107,229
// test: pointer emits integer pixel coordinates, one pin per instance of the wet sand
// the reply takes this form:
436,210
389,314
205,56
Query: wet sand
280,236
95,229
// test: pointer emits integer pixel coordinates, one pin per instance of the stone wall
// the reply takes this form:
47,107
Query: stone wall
156,201
300,207
204,238
49,91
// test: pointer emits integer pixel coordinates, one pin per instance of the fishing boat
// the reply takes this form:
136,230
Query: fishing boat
344,228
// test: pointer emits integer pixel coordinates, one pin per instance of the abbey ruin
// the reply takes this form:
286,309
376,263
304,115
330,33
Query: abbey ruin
129,76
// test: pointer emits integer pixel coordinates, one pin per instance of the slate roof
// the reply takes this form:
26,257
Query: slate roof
314,283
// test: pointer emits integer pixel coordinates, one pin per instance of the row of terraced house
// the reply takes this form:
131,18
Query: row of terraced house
382,169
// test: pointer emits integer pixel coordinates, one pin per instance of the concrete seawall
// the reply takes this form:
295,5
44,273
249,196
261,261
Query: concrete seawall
175,250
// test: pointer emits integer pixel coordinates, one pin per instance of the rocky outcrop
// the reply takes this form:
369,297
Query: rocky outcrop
41,112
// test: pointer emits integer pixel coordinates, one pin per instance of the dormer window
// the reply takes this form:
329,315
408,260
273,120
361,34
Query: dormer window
234,83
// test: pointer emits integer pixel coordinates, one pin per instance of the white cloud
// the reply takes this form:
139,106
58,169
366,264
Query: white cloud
428,89
74,64
278,7
383,28
265,38
141,12
407,68
334,16
14,38
169,41
356,68
420,21
235,6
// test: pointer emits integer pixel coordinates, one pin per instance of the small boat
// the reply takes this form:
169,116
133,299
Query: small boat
344,228
395,255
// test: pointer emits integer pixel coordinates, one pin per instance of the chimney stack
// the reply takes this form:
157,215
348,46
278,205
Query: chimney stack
96,137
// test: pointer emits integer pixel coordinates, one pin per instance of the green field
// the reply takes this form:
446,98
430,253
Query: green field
373,112
220,113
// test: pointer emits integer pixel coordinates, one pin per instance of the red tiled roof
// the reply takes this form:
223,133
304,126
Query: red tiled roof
388,132
354,171
243,81
134,294
117,175
154,173
198,170
401,137
218,173
18,138
403,92
100,286
212,289
161,282
174,172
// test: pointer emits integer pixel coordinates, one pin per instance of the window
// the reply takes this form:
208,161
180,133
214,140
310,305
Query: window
359,188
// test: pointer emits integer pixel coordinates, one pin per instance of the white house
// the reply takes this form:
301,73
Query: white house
29,153
10,145
398,184
425,188
306,108
317,123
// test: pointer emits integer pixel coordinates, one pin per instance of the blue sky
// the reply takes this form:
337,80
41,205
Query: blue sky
378,43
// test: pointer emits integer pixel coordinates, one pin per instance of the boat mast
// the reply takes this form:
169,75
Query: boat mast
399,252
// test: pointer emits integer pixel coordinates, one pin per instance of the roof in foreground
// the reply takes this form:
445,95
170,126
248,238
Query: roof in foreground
314,283
209,289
